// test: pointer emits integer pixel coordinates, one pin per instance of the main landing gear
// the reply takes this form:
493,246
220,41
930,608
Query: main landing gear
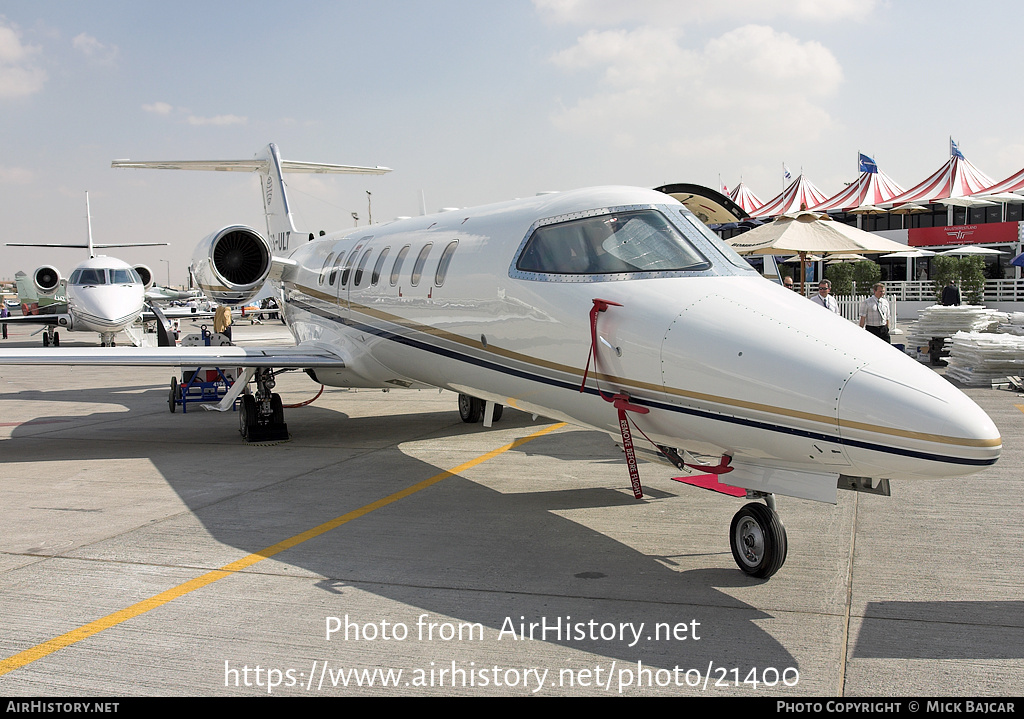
471,409
51,337
758,539
261,416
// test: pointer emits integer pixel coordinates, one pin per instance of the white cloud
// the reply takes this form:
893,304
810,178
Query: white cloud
752,85
19,75
15,176
217,120
158,108
94,49
603,13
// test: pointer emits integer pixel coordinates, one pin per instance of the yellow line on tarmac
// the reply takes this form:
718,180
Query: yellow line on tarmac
87,630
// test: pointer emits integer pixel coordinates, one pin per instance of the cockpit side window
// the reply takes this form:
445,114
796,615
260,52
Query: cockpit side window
121,277
617,243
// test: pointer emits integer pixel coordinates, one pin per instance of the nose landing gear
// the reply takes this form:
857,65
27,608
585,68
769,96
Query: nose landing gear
261,417
758,539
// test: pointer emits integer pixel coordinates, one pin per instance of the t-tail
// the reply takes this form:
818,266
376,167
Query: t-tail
267,162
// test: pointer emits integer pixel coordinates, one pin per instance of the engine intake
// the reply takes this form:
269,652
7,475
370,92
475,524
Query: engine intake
46,279
145,274
232,264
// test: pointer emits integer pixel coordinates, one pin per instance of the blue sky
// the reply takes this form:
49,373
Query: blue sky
475,102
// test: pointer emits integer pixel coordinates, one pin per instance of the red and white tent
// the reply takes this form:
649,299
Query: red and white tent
800,195
957,178
747,200
1013,183
871,188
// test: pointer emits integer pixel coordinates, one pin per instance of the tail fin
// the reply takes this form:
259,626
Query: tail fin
268,162
88,244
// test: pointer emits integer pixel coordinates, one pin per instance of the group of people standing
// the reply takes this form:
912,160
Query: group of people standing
874,311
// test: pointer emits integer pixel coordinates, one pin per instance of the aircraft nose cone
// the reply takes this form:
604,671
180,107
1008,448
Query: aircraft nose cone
898,418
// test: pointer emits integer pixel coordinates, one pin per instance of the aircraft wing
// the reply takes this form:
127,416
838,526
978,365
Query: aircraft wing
178,313
44,319
286,357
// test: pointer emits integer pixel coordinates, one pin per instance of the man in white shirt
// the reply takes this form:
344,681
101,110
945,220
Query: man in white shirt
874,313
825,299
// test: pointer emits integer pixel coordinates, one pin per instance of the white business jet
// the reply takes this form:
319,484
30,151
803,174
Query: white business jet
612,308
104,294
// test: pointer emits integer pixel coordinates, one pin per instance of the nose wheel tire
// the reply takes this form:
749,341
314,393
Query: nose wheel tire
758,540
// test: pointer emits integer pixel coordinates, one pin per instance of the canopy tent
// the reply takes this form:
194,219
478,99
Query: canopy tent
745,198
800,195
956,178
1013,183
871,188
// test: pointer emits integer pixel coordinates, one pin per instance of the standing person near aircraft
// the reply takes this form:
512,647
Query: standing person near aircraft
222,321
825,298
874,313
3,314
787,282
950,294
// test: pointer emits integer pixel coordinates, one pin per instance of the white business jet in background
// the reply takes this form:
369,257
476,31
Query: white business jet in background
612,308
104,294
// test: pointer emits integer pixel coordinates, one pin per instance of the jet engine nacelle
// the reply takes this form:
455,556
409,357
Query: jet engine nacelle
232,264
46,279
145,274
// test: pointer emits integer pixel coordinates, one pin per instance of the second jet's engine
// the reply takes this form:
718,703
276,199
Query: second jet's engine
232,264
46,279
145,274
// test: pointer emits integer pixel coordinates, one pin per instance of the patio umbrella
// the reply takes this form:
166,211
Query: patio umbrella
807,232
965,202
910,254
909,208
868,210
844,257
971,250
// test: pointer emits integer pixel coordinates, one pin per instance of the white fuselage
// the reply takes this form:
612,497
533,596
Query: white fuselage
725,361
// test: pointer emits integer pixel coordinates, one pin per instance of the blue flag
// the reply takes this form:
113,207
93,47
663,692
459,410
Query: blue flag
867,164
954,151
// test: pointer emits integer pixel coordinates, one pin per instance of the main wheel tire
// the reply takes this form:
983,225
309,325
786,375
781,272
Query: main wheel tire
56,339
471,409
46,340
758,540
497,413
276,410
247,415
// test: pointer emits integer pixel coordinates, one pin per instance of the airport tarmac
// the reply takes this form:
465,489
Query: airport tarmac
150,553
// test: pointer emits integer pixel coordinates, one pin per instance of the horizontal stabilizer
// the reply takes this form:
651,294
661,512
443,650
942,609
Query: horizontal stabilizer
254,165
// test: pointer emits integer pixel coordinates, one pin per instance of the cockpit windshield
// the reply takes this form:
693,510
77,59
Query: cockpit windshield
89,276
102,276
621,242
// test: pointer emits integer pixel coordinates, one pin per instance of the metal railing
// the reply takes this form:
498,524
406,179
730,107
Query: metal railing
1011,290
